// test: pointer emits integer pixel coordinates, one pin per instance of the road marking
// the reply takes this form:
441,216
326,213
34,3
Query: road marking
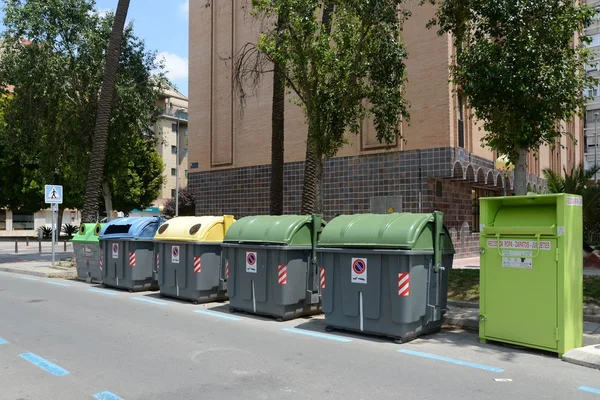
2,341
58,283
589,389
103,292
218,315
29,279
450,360
160,303
316,334
107,396
44,364
503,379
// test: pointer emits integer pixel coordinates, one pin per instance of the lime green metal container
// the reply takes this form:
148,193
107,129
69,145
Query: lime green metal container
532,271
87,253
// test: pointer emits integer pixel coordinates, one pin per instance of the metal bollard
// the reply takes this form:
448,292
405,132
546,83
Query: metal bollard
27,241
16,246
65,246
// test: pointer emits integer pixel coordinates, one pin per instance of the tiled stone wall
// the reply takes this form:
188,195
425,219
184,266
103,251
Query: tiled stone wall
350,183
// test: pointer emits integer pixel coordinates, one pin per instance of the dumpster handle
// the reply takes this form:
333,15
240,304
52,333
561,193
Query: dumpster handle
537,252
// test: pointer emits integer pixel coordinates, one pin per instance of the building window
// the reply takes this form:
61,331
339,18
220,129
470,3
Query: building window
592,91
2,220
185,173
185,132
461,124
173,149
172,192
22,222
174,127
173,171
185,152
476,194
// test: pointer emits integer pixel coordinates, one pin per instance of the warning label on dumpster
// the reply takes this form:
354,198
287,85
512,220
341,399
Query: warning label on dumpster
251,262
517,262
359,270
519,244
516,253
115,250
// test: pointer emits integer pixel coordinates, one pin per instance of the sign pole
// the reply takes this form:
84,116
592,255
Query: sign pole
53,232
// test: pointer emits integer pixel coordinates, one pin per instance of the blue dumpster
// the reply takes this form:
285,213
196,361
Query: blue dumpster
127,249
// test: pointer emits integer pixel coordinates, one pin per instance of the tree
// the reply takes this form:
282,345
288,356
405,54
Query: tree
522,69
46,125
580,181
187,204
344,62
98,159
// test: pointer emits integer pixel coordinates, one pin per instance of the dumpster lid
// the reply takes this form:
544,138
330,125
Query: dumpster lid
195,229
86,233
398,231
131,228
290,230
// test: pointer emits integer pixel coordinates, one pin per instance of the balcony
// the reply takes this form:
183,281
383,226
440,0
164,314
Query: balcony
174,114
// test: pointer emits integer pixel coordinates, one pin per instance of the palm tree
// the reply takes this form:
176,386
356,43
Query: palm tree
277,133
98,158
578,182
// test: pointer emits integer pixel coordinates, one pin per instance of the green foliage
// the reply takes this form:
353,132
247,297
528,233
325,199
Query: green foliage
47,126
70,230
518,67
577,181
187,204
344,61
46,232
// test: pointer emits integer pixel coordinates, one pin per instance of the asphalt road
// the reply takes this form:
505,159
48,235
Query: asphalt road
70,340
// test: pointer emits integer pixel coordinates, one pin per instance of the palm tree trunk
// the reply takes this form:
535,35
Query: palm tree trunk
309,186
106,193
521,174
98,158
277,136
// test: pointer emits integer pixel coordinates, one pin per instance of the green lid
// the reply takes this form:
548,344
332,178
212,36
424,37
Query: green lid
290,230
397,231
88,233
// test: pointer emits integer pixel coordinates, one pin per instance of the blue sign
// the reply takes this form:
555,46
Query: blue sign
54,194
194,165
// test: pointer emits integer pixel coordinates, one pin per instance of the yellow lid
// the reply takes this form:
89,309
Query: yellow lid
195,229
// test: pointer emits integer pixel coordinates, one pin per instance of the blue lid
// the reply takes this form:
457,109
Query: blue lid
131,228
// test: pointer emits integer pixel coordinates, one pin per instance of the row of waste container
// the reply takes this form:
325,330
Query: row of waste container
378,274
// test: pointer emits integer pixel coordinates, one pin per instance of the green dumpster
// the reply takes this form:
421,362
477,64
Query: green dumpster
532,271
270,265
88,257
385,274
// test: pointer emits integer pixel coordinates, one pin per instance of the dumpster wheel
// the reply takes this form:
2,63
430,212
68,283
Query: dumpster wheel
328,328
232,310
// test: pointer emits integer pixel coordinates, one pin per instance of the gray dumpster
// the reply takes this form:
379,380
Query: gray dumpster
385,274
128,253
272,266
88,257
188,251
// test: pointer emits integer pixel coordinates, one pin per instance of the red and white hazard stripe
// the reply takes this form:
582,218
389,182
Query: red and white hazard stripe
132,259
101,264
403,284
157,261
197,265
322,278
226,269
282,274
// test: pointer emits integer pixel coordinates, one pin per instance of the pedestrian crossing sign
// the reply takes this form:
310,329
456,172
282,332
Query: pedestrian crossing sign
54,194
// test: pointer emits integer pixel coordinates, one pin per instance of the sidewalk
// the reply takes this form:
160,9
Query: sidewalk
459,314
473,263
29,261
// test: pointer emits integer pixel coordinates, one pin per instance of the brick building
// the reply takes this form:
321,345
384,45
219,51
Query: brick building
440,165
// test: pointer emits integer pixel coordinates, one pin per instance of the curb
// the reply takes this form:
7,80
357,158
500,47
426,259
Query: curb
460,322
593,312
588,356
65,275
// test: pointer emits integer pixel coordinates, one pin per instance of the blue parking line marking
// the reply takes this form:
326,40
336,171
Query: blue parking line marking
28,278
160,303
589,389
58,283
218,315
106,396
450,360
2,341
102,291
44,364
318,335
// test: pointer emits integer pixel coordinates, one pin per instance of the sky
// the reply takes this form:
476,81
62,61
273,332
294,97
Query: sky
163,25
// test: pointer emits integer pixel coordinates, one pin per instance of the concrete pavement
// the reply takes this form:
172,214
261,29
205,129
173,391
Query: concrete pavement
30,261
70,340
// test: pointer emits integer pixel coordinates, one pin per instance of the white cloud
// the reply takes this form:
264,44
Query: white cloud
103,11
176,67
184,9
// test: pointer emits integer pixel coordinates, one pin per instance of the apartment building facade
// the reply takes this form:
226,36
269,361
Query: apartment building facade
592,116
440,164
